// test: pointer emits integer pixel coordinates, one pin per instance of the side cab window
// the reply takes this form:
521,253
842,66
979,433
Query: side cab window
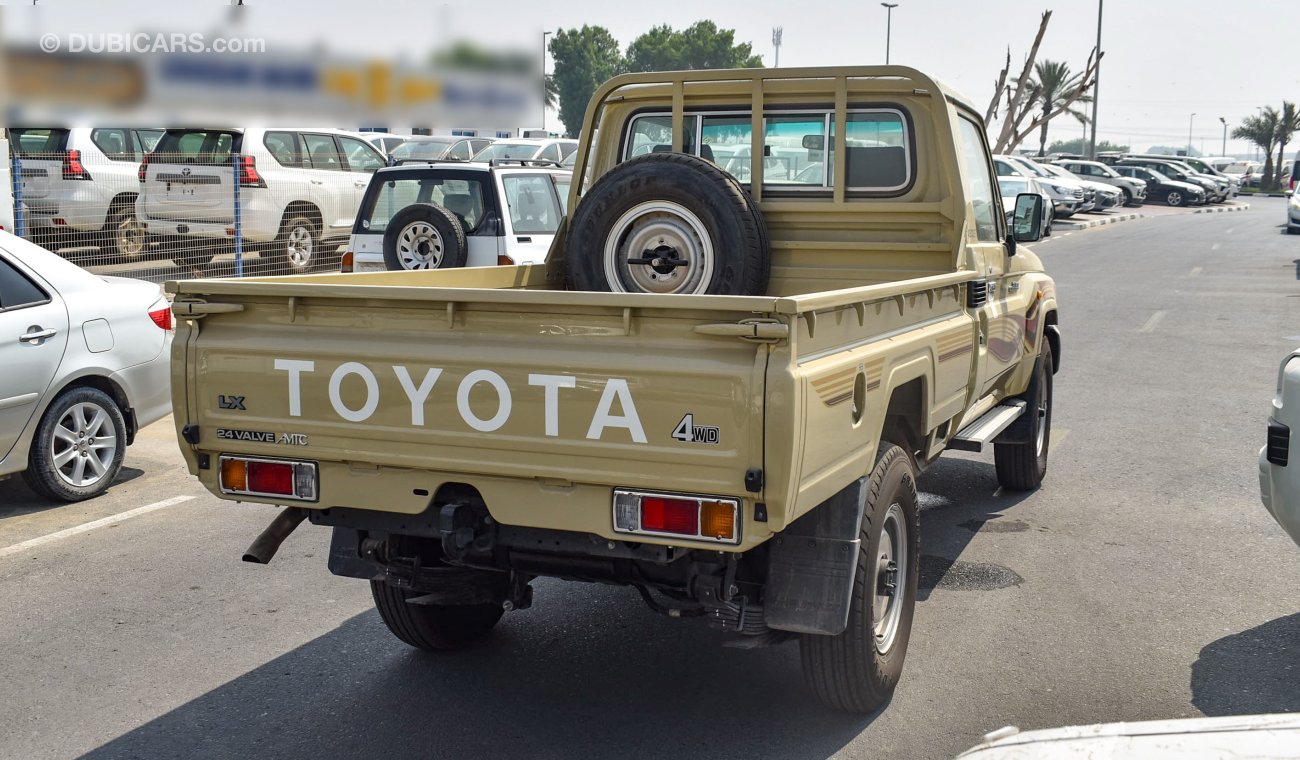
985,201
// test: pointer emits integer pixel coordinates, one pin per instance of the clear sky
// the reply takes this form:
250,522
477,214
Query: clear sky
1165,59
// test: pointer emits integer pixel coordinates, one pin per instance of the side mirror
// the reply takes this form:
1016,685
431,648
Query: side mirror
1027,220
814,142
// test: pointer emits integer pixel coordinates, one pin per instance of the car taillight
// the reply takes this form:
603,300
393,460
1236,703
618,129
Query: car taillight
248,176
504,260
72,167
345,262
254,476
701,518
143,171
162,317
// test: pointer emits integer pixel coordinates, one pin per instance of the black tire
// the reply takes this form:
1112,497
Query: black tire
433,628
848,671
709,236
44,473
1022,466
1174,198
424,236
123,237
297,247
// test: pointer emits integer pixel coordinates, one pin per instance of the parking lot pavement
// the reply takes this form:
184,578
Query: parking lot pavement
1143,580
1147,210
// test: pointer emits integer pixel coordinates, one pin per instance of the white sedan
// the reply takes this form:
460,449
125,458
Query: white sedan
84,365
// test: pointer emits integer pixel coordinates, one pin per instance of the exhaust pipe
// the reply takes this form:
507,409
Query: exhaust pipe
268,543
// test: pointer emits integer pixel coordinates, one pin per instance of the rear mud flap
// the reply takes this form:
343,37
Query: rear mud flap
811,566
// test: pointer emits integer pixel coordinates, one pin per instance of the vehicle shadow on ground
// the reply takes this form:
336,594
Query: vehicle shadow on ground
960,498
607,678
17,499
1250,672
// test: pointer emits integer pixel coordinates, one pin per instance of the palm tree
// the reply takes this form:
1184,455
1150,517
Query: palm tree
1057,88
1262,130
552,93
1288,124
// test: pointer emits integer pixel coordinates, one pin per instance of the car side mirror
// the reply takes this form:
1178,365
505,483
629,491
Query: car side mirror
1027,220
814,142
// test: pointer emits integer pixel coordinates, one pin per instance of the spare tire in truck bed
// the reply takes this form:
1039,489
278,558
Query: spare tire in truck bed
668,223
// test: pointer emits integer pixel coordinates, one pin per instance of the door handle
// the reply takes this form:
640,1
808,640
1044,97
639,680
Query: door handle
35,334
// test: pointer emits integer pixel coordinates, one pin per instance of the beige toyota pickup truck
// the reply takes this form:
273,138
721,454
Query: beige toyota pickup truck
717,391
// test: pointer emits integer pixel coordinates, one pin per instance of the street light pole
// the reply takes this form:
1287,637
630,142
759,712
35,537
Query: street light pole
889,23
777,32
1223,151
1189,133
544,36
1096,89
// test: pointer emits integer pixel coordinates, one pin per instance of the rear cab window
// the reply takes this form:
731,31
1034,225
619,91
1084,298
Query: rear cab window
461,193
205,147
798,147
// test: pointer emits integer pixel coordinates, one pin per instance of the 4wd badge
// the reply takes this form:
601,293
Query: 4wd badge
688,432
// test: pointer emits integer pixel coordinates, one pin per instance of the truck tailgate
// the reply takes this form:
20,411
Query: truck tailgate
535,404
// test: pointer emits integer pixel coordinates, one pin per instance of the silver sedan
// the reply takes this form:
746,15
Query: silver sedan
84,365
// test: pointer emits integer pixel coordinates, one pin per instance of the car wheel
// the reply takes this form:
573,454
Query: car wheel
297,246
123,235
424,236
1021,466
433,627
668,223
78,447
857,670
1174,198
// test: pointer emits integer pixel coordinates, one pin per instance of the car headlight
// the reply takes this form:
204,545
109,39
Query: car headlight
1062,190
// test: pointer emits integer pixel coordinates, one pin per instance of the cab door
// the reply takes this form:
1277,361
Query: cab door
998,310
33,336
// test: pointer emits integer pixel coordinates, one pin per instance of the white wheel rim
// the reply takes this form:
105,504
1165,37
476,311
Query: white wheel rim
419,246
130,237
890,585
299,247
665,232
84,445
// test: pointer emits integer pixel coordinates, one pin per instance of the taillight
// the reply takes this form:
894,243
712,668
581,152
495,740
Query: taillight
248,176
144,168
254,476
345,262
162,317
701,518
72,167
504,260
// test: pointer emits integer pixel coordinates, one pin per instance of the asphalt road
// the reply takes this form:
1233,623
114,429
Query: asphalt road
1144,580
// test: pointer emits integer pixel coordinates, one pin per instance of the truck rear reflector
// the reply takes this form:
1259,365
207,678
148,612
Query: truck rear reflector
255,476
701,518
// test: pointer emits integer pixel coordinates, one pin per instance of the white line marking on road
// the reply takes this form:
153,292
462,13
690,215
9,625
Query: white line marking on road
1058,437
1195,271
93,524
1152,322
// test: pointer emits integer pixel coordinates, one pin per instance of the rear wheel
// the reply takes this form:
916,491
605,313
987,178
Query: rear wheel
297,247
857,670
123,235
433,628
78,447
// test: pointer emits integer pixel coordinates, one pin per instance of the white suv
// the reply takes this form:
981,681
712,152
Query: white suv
78,185
445,215
298,189
536,150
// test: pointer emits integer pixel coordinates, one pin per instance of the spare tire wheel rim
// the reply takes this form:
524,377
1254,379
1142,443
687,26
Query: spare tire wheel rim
419,246
300,246
659,247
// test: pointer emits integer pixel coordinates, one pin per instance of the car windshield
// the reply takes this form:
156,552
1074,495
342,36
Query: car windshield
1011,186
421,149
1032,168
1059,172
507,150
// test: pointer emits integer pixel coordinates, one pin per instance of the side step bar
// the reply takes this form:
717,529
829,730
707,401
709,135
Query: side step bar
974,436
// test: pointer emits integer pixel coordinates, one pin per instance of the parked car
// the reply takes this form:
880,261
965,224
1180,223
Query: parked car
1161,188
1279,477
439,216
439,148
1207,168
384,142
87,365
1012,186
1295,174
299,189
1183,173
1068,196
78,187
1104,196
1293,205
1133,190
548,150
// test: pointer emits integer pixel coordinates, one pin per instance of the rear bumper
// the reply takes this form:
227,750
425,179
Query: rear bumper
1278,495
259,221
